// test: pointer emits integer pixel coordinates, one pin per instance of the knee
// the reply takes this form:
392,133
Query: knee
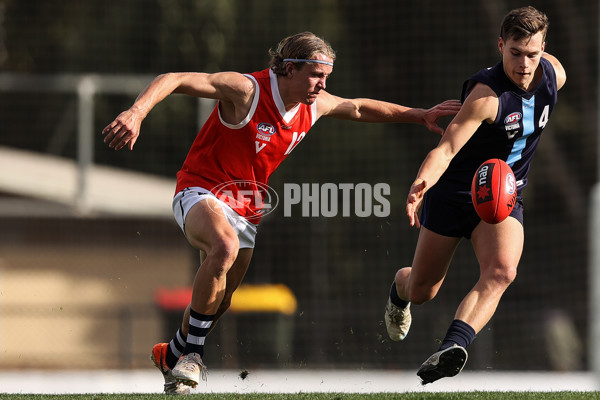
222,254
226,249
501,275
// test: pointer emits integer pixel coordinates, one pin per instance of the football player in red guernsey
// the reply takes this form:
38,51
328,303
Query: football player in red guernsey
505,109
258,120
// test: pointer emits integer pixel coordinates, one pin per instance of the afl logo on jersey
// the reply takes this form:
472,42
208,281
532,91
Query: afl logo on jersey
512,118
265,131
511,123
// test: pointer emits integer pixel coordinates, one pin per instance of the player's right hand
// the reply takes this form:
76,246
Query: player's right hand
413,202
124,130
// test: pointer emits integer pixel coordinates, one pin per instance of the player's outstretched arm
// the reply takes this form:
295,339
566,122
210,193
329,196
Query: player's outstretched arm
480,105
369,110
232,88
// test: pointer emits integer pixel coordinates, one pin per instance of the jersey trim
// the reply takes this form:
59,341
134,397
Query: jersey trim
252,110
528,108
286,115
313,113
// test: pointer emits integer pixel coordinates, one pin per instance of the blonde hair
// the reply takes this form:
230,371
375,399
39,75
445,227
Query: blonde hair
301,46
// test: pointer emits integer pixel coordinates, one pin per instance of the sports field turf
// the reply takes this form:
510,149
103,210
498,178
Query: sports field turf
326,396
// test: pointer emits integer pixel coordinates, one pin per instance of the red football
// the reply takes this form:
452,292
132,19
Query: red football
494,191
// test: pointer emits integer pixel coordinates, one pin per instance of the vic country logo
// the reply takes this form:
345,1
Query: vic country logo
511,124
484,184
265,131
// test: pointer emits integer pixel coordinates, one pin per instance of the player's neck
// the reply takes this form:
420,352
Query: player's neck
285,92
537,76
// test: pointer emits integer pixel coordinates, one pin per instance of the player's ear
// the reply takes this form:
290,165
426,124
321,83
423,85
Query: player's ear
289,69
500,44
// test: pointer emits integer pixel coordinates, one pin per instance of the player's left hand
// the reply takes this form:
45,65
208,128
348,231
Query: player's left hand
413,202
448,107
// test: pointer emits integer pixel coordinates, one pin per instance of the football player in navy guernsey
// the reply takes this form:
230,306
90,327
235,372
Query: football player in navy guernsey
505,108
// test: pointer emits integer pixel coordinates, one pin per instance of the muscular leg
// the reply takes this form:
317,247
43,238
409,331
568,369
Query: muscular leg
208,230
235,275
221,271
498,249
421,282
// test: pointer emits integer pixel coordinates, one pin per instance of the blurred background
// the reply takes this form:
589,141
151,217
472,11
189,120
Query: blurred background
92,265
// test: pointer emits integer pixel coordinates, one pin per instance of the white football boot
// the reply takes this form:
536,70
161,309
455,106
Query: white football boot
397,320
189,370
158,357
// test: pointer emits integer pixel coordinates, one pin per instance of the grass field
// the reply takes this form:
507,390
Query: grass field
326,396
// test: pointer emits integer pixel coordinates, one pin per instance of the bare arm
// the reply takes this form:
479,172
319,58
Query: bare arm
480,106
561,75
369,110
234,90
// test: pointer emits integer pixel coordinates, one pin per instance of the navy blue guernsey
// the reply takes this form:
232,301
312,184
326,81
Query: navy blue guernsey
513,136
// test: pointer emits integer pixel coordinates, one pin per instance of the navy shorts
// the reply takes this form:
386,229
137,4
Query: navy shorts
454,215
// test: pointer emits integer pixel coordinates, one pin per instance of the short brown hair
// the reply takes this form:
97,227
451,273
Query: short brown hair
522,23
299,46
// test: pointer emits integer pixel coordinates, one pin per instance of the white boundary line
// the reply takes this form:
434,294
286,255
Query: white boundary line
291,381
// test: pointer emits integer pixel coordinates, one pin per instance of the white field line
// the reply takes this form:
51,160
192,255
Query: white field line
291,381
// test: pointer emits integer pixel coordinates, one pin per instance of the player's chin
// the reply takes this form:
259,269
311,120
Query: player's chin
522,78
311,98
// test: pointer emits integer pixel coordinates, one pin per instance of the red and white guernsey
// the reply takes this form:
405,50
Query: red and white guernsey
235,162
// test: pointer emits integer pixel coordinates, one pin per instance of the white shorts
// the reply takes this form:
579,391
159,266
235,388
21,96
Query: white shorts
187,198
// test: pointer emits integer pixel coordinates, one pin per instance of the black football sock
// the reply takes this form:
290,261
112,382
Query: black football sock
199,327
396,300
459,333
175,348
